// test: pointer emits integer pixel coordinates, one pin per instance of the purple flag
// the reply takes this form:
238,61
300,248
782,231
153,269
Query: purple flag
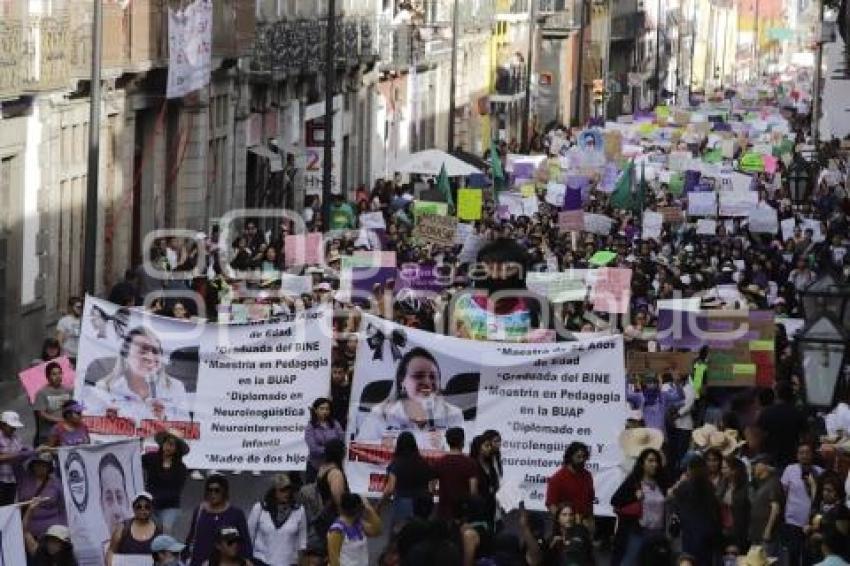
572,198
691,180
523,170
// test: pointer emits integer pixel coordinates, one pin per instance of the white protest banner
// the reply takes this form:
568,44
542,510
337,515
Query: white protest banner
738,203
679,160
559,287
373,221
741,182
530,205
540,397
12,551
706,227
189,48
652,223
763,220
237,392
597,223
99,482
470,249
513,203
788,225
555,194
464,231
815,227
702,204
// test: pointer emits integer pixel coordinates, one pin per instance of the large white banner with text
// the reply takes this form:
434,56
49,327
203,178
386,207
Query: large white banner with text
238,393
12,550
99,482
189,48
540,397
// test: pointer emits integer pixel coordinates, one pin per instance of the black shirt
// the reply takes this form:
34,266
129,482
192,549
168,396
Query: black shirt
165,484
782,424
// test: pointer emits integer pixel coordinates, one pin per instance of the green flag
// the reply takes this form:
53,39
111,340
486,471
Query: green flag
496,170
622,195
641,192
444,187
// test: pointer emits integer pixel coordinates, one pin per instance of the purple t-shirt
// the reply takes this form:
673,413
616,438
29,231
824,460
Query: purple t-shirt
798,502
61,436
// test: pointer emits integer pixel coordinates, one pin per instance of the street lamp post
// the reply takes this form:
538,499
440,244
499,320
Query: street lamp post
93,173
529,71
822,346
827,296
799,178
453,79
330,86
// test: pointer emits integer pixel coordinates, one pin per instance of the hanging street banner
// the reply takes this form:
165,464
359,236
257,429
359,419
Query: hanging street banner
99,482
540,397
238,393
189,48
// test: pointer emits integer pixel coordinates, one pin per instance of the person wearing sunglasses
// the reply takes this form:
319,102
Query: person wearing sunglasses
278,526
228,549
216,512
71,430
138,387
134,536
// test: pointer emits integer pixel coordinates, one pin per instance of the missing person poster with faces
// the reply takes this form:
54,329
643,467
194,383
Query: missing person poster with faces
100,482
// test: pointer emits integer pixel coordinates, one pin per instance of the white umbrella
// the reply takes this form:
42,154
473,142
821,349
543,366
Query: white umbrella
430,161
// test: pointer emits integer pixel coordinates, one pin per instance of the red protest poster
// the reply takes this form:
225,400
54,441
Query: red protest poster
34,378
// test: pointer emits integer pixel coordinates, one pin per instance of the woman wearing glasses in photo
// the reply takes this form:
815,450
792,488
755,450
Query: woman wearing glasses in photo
215,512
134,536
138,386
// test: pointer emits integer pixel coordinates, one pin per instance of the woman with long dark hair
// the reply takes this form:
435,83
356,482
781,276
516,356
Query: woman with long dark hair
481,451
571,542
829,515
641,506
214,514
165,477
694,500
408,479
734,503
278,525
321,429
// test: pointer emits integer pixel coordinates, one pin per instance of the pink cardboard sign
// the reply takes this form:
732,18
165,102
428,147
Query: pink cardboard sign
612,290
34,378
770,163
303,249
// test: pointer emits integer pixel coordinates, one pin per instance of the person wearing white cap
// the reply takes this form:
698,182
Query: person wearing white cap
166,551
11,452
135,535
53,548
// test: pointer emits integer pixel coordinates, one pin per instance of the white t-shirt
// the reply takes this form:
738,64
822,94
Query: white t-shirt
278,545
69,326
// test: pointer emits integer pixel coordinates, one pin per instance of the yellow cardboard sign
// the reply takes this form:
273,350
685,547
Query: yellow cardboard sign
469,204
528,190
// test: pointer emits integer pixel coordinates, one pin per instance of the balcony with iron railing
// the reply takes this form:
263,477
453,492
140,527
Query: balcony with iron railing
43,51
292,47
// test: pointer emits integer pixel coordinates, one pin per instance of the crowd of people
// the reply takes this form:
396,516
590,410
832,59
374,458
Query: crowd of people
712,476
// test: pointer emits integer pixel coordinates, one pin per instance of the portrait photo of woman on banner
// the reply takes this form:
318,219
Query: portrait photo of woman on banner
138,386
415,404
126,371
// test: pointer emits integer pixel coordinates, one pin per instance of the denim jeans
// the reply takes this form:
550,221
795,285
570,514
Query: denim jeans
168,518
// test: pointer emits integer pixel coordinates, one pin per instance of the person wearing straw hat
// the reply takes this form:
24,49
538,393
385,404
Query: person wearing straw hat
165,476
12,451
40,481
756,556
